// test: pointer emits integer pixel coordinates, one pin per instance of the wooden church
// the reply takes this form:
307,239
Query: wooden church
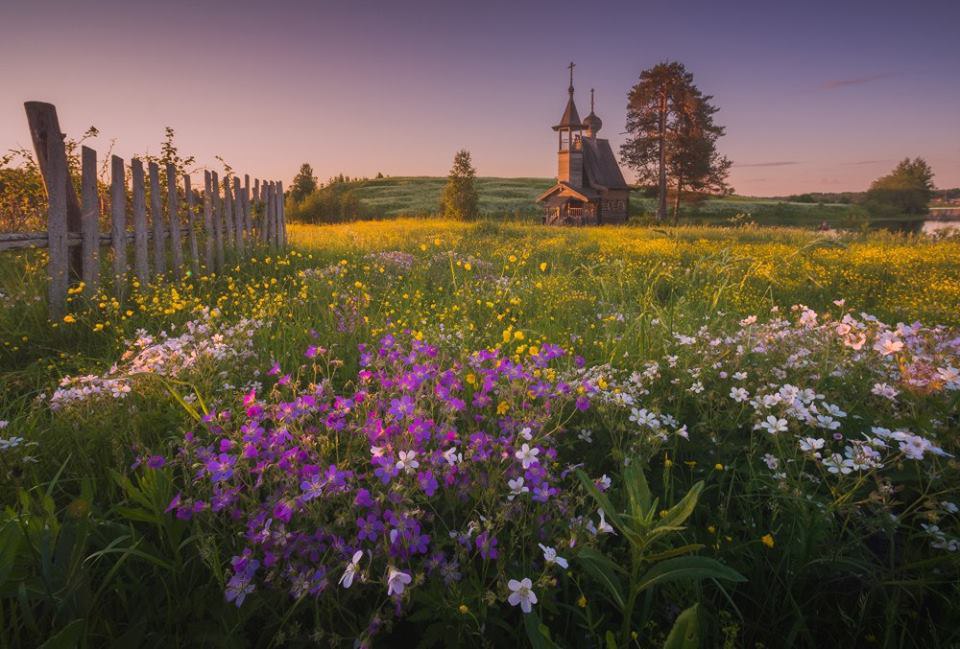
590,188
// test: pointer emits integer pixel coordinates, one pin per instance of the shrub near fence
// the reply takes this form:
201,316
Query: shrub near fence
235,221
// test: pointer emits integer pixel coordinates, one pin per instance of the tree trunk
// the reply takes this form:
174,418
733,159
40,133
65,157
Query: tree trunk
676,204
662,137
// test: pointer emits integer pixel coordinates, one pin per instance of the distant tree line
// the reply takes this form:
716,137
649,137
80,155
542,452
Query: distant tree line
841,198
338,200
335,201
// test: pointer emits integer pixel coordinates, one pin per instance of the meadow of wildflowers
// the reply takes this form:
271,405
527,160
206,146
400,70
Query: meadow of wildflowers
423,433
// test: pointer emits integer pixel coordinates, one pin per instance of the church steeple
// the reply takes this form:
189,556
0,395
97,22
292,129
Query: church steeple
571,118
570,147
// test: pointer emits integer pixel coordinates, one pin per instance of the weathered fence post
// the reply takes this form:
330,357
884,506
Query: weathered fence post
55,178
268,208
156,213
238,213
281,216
259,191
228,212
173,216
191,227
247,230
208,236
118,233
90,224
45,133
255,214
217,218
141,258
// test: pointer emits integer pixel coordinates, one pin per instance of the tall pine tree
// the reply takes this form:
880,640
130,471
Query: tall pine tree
460,199
304,184
672,135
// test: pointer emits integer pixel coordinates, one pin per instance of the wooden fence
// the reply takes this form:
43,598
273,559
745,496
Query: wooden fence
235,221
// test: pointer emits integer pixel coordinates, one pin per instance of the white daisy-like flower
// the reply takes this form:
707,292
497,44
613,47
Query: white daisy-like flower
397,581
521,594
527,455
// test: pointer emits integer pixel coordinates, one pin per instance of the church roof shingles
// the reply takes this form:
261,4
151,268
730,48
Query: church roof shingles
600,166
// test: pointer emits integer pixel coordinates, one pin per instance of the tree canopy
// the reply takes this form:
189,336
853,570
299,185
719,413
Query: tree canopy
304,184
905,190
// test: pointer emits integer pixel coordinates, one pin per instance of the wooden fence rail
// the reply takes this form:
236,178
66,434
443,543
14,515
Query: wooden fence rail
234,222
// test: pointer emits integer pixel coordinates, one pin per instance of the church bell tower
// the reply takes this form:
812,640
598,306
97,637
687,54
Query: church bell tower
570,148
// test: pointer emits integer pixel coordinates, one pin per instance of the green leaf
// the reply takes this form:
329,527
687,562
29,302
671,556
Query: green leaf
175,393
611,640
605,571
136,514
674,552
68,637
687,568
10,540
685,633
537,632
638,491
680,512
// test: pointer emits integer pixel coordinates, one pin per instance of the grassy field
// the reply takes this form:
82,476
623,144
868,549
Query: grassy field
420,195
381,435
513,198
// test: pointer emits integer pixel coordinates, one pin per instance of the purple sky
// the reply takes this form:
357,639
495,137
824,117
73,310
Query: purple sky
815,96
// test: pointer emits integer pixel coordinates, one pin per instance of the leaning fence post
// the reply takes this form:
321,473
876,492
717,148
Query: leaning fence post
118,235
191,227
45,133
208,236
156,213
141,259
173,216
90,222
217,218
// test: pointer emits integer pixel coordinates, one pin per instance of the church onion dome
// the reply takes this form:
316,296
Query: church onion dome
571,118
592,123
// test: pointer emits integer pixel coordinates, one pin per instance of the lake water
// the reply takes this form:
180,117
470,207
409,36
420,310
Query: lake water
932,227
943,220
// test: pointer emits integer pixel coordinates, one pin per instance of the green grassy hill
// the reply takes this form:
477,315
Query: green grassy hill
420,195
